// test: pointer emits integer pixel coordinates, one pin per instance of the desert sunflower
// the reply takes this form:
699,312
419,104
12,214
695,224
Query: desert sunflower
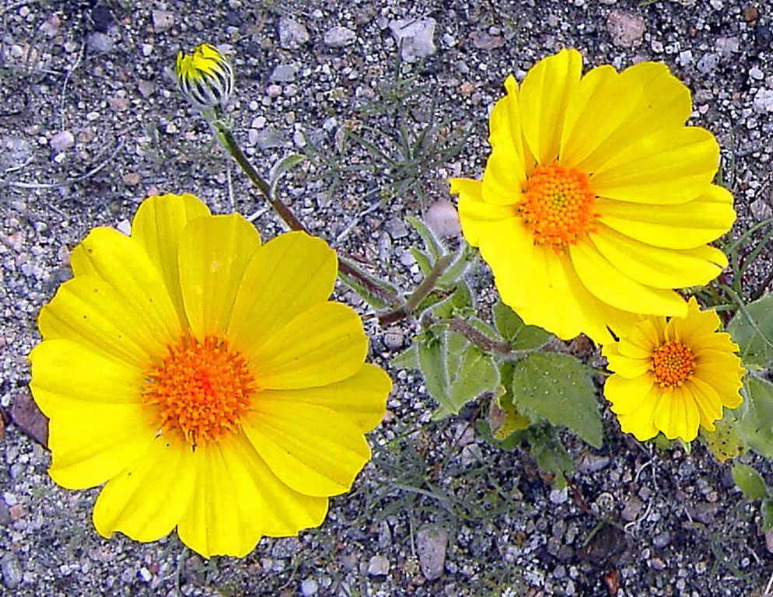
596,201
673,375
205,76
205,379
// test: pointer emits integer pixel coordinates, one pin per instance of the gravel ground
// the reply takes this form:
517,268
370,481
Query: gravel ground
387,99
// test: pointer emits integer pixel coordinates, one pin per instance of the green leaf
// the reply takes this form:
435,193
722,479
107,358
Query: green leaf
755,415
724,442
422,259
430,240
465,257
408,359
767,515
282,167
370,297
752,329
455,371
550,454
749,481
557,387
460,300
514,330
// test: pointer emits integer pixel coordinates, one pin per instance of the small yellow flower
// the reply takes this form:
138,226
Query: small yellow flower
673,375
205,379
205,76
596,201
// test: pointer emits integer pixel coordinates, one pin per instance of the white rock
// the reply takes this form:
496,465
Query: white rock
626,29
292,34
443,219
162,20
62,141
339,37
763,100
378,566
431,545
414,37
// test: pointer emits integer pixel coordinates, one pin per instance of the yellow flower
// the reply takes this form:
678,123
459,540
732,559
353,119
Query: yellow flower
205,379
673,375
596,201
205,76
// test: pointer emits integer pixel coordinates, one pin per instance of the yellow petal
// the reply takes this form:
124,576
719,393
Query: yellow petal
147,499
627,395
707,400
361,397
677,414
322,345
625,366
214,253
122,263
610,285
286,276
313,450
661,101
664,168
63,370
236,498
91,442
90,312
509,160
657,267
158,226
601,104
544,95
682,226
641,421
477,216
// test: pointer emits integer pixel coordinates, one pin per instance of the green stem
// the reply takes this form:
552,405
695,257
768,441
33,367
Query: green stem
474,335
228,141
419,294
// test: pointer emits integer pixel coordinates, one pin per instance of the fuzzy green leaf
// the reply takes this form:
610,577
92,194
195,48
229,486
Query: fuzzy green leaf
514,330
430,240
557,387
752,329
459,300
767,515
749,481
408,359
755,415
550,454
282,167
425,264
455,371
465,256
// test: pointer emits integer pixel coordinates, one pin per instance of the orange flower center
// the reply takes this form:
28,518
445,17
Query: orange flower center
558,205
673,363
201,389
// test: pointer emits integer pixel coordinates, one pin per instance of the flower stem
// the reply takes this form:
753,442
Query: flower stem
474,335
419,294
228,141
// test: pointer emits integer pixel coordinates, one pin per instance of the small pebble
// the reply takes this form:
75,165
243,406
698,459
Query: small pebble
62,141
309,587
339,37
378,566
431,545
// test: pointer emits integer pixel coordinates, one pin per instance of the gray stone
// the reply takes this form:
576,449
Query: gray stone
394,339
396,228
309,587
378,566
414,37
163,20
761,209
14,152
632,509
763,100
292,34
443,219
286,547
62,141
11,568
626,29
431,546
708,63
100,42
284,73
339,37
661,540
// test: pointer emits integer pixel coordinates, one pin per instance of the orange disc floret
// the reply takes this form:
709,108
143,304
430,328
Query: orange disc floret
201,388
673,363
558,205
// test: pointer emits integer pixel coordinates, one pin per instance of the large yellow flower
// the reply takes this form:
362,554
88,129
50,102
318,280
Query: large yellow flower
596,201
205,379
673,376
